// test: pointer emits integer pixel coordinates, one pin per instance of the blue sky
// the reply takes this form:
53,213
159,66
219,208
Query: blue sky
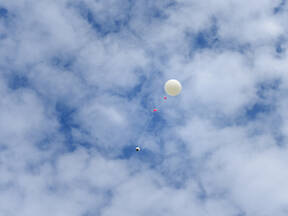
79,81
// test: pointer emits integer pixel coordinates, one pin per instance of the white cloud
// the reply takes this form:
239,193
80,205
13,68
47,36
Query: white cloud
68,134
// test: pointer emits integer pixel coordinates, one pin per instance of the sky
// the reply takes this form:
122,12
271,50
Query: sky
79,80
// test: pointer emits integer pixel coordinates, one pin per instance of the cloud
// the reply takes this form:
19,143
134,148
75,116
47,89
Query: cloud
79,81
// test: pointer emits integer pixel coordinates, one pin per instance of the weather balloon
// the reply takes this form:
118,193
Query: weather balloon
173,87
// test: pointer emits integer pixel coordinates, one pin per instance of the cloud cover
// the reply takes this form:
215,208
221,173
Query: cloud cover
79,81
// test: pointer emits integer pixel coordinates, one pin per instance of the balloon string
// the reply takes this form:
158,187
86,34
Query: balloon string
148,123
158,107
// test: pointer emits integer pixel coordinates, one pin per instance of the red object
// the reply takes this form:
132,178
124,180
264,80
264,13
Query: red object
165,97
154,110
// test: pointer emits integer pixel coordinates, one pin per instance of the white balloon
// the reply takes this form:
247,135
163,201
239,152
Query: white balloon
173,87
138,148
